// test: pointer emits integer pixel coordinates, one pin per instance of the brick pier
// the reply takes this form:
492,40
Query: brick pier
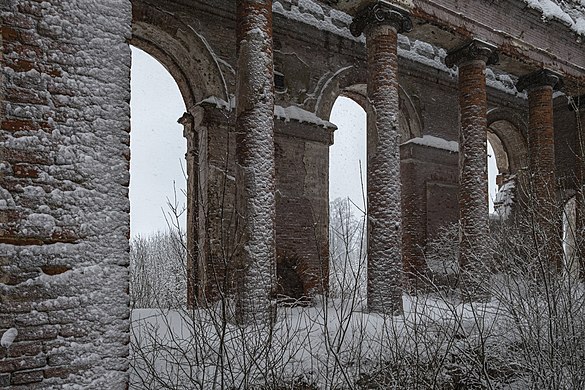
471,60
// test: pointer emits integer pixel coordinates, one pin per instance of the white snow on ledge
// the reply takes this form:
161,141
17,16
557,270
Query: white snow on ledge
287,114
434,142
219,103
337,22
570,13
298,114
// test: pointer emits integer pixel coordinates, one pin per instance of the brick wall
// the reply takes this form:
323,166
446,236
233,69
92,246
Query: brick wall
302,204
64,220
429,198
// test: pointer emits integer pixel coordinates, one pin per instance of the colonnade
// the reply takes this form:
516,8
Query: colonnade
381,23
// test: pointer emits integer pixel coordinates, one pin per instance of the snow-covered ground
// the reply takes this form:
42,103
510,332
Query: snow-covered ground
438,342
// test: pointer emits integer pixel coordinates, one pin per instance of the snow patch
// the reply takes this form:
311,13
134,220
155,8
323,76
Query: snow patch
303,116
569,12
8,337
219,103
434,142
287,114
505,199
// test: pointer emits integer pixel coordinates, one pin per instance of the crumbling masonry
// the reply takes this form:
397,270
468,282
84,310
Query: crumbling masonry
259,79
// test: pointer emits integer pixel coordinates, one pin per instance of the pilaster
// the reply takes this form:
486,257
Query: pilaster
192,158
542,185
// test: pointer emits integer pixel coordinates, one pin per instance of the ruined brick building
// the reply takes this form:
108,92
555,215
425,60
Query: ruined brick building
259,80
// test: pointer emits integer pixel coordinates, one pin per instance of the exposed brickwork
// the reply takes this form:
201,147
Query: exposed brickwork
385,268
192,158
473,203
429,201
301,155
64,156
542,184
473,183
64,221
255,201
216,201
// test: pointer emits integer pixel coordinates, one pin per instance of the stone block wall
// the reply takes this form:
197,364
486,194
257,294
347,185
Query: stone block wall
64,222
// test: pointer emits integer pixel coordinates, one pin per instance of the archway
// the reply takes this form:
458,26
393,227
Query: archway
494,168
348,181
347,197
507,139
157,186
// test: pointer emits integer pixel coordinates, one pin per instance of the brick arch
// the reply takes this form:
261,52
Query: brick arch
181,50
350,81
507,135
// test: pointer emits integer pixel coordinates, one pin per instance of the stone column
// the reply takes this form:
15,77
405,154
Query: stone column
471,61
192,157
381,24
255,161
543,205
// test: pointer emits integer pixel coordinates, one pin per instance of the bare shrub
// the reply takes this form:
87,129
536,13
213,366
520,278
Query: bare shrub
529,335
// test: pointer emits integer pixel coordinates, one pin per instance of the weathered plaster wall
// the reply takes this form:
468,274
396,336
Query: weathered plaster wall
64,220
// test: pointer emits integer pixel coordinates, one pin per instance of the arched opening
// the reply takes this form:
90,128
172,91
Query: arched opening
347,195
347,155
493,171
508,150
157,186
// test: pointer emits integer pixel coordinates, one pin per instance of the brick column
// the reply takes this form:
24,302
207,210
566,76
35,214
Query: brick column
471,60
579,108
192,157
255,161
64,217
542,197
381,24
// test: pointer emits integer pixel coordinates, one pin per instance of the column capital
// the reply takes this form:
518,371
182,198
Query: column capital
471,51
540,78
382,12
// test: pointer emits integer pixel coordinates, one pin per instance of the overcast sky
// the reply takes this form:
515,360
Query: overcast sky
158,148
157,144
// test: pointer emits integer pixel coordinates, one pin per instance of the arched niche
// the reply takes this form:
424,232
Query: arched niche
507,135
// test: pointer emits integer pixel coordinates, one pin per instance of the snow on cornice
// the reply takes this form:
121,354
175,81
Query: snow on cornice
569,12
434,142
303,116
287,114
337,22
219,103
